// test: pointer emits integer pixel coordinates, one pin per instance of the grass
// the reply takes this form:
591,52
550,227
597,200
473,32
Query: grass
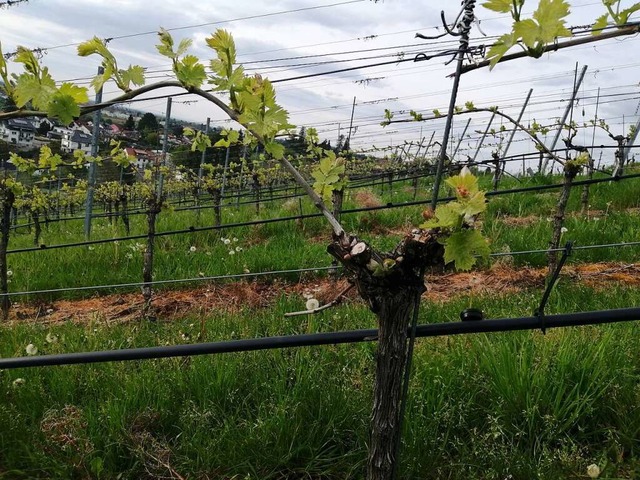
482,406
302,244
518,405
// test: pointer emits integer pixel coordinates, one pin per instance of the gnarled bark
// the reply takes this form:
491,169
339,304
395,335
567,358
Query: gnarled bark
391,284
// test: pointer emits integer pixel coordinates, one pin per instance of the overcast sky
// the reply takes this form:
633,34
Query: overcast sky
343,32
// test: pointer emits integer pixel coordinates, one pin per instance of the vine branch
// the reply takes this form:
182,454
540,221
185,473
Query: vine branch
629,29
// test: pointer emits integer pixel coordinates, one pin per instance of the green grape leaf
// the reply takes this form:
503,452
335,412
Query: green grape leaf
222,42
462,247
183,46
134,74
464,185
79,94
601,22
475,204
190,72
549,15
29,60
448,215
500,6
38,91
95,46
527,30
275,149
22,164
165,47
329,175
500,48
64,107
623,16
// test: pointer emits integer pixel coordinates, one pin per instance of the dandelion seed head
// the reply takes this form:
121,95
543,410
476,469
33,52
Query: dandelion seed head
312,304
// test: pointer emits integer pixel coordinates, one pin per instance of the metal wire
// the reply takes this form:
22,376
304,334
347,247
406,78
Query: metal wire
165,282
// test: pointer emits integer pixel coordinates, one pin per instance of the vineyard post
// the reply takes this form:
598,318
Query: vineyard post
92,165
224,170
513,132
165,145
567,110
202,159
464,28
484,135
584,199
464,131
624,142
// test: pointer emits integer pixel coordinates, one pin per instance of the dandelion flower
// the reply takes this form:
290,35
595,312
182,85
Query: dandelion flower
129,256
235,239
91,248
31,349
564,230
232,252
9,273
238,249
593,471
192,248
312,304
51,338
226,241
18,382
596,219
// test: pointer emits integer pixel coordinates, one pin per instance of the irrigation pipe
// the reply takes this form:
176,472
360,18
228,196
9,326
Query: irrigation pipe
330,338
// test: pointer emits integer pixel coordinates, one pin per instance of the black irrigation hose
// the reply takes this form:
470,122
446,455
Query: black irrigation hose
330,338
389,205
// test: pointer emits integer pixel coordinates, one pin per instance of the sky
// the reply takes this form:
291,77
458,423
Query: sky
327,35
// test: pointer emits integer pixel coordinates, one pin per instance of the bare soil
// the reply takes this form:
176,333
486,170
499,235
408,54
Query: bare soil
233,297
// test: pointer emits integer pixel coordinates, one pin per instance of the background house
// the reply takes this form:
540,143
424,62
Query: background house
19,132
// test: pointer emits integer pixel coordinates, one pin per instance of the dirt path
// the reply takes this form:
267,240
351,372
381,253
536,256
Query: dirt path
230,297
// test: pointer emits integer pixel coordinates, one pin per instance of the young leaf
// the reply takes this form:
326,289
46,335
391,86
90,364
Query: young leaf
275,149
463,246
500,6
190,72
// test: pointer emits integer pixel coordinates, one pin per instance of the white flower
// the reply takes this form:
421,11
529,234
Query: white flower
232,252
226,241
593,471
564,230
91,248
51,338
201,274
596,219
129,256
235,239
238,249
192,248
9,273
312,304
31,349
18,382
246,270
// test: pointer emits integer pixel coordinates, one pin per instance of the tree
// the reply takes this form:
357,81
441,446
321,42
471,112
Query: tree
130,124
148,123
